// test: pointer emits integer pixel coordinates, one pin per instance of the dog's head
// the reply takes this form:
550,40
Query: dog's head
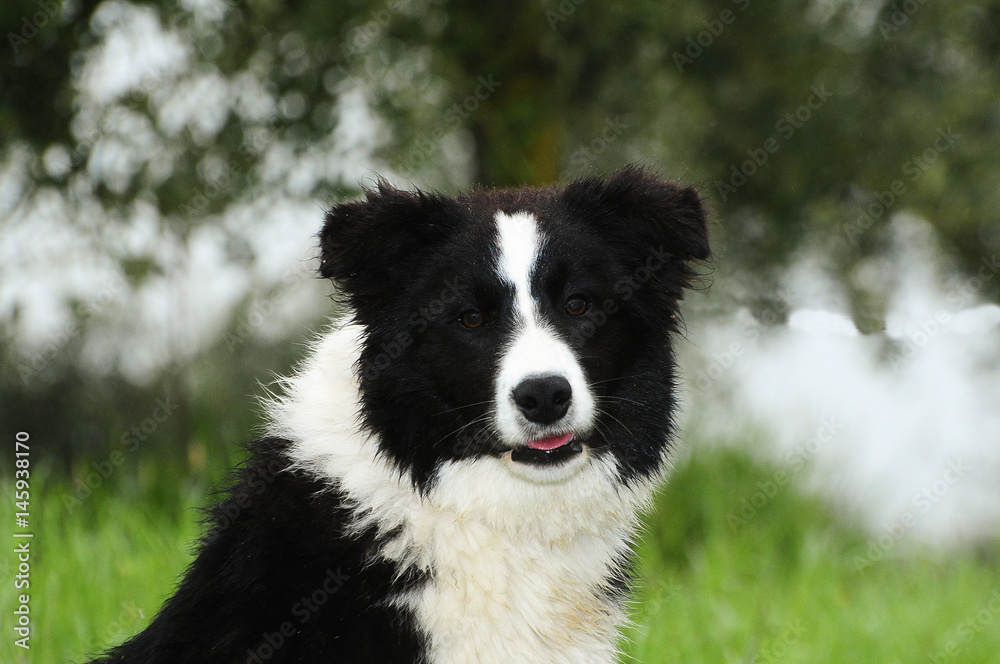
525,327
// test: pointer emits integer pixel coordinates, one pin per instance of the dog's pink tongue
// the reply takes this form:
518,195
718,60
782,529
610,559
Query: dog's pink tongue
550,443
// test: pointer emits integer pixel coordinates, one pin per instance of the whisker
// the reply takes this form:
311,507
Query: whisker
605,435
485,434
604,412
456,408
608,397
482,418
625,377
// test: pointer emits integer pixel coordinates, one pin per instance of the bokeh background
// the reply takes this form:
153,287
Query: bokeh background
164,168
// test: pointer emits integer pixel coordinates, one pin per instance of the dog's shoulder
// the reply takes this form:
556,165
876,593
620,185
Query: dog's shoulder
279,569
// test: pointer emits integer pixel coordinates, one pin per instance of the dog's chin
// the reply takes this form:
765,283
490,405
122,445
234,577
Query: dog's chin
549,460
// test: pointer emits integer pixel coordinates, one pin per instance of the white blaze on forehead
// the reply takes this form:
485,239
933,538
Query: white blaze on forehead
533,348
519,243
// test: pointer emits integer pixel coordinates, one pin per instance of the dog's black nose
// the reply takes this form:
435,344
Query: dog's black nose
543,399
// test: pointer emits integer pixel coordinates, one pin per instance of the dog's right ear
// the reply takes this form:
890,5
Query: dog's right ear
634,205
367,243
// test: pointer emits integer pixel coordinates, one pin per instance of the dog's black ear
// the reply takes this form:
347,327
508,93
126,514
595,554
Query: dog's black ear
634,206
368,241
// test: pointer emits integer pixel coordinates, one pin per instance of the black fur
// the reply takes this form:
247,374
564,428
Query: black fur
409,264
276,580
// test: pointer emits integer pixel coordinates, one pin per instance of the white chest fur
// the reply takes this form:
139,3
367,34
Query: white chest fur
494,600
517,569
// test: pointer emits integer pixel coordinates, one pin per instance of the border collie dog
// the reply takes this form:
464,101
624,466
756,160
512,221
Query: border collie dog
456,473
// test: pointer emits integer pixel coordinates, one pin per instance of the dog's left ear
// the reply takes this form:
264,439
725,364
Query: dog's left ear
365,245
633,206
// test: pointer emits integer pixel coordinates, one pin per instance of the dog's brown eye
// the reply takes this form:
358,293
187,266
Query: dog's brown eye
577,306
471,319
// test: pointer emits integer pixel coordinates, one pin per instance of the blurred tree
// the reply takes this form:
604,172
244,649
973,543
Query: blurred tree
697,86
801,120
797,117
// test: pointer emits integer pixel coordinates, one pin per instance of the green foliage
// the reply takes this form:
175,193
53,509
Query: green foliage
101,566
783,587
699,87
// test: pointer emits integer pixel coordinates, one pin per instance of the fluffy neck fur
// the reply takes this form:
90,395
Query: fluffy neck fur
518,571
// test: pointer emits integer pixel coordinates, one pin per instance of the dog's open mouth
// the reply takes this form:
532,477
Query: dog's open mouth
546,451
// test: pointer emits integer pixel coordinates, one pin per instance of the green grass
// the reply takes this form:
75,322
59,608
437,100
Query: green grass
793,584
785,586
100,566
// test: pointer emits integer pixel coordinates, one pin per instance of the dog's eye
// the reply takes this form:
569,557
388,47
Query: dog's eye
471,319
577,305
